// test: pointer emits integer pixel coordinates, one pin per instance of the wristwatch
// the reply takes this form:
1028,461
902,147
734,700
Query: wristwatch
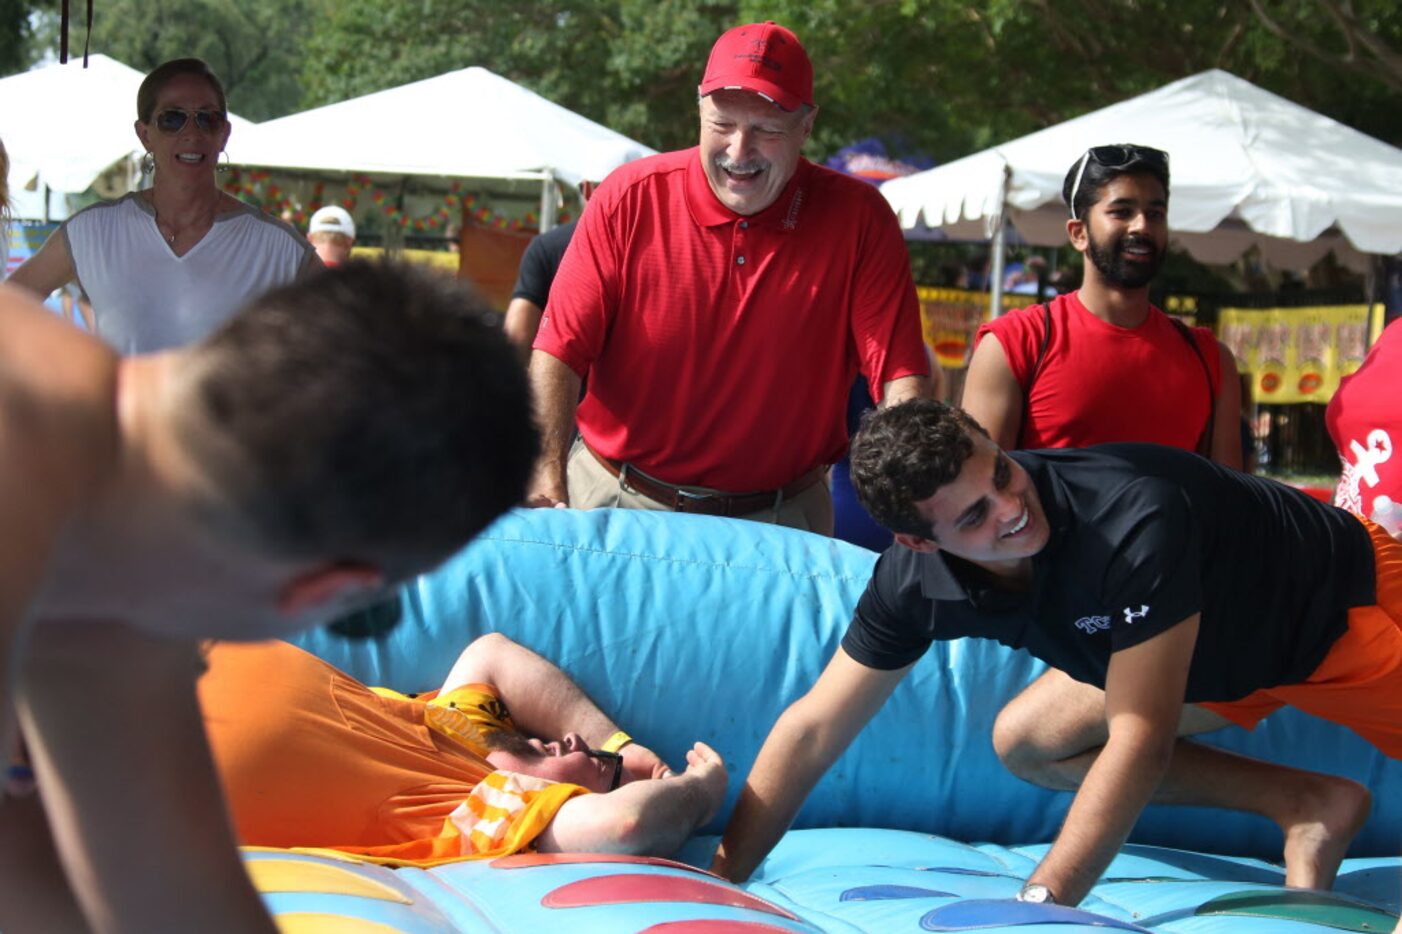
1037,894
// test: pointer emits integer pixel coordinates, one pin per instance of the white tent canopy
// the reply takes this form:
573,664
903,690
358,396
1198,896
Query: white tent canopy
65,125
464,124
1248,168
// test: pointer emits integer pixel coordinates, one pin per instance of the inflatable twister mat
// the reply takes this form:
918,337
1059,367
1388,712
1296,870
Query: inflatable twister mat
836,880
690,627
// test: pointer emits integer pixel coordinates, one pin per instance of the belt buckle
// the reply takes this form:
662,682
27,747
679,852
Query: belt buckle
685,497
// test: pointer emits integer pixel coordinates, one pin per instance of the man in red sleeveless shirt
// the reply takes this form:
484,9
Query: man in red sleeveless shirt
1102,364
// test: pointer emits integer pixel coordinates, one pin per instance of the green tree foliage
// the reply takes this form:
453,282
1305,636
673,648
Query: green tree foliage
954,77
632,65
946,77
19,45
254,46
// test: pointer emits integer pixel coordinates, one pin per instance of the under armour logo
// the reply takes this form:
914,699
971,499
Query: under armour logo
1131,615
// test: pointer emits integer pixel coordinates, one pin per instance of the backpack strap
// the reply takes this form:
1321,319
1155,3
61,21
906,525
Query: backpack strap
1205,439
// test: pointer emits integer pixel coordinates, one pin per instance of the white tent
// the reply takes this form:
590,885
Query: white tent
64,126
1248,169
464,124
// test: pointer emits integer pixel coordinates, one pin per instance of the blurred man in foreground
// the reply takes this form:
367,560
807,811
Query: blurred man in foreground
332,439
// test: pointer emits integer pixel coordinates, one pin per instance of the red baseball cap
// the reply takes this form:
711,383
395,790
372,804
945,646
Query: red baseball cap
764,58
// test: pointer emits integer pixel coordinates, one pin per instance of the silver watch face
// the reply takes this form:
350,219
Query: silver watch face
1036,894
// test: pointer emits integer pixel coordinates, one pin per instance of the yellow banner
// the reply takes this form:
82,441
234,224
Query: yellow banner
442,259
949,318
1297,354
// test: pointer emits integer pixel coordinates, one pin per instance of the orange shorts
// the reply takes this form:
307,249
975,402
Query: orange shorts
1359,683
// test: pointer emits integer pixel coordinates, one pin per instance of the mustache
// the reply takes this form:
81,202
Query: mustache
1135,240
722,161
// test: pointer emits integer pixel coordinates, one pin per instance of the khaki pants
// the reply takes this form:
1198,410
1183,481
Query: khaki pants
591,486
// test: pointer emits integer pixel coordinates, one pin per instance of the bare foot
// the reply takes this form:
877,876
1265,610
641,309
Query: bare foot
1329,818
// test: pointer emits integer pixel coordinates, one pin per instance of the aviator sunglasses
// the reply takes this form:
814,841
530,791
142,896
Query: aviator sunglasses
616,758
173,119
1116,157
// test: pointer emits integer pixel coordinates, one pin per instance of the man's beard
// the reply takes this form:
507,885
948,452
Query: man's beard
1110,260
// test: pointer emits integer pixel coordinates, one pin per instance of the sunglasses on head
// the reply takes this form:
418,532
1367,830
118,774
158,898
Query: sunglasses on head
616,758
1117,157
173,119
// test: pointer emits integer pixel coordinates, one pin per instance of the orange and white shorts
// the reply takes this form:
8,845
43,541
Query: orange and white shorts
1359,683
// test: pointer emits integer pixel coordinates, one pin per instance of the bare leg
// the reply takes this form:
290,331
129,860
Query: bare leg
34,893
1051,733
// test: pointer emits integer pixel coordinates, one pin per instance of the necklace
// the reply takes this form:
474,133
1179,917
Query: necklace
170,237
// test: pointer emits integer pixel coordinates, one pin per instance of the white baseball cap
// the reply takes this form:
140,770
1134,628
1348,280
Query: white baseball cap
332,219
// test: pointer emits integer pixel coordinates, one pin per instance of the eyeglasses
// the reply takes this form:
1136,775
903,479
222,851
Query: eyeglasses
616,758
1117,157
173,119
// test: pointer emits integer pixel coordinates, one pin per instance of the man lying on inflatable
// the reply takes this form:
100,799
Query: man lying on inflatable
310,757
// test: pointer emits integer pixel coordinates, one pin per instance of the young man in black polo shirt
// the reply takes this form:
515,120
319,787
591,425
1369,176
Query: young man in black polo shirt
1182,588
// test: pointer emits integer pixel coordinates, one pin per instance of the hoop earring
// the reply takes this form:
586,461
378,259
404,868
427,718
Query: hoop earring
225,165
148,163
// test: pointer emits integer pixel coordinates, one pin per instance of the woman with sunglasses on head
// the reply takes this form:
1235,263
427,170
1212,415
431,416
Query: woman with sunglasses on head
164,266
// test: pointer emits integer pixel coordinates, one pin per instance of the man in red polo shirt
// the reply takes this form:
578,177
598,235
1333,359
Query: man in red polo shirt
721,300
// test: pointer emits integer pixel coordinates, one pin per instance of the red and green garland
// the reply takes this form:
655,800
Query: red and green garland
255,188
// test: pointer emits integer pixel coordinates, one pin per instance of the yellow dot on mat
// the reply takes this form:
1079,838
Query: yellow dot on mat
306,922
291,875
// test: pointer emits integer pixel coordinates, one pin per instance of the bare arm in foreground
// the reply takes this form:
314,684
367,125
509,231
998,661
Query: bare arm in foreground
129,784
806,740
57,444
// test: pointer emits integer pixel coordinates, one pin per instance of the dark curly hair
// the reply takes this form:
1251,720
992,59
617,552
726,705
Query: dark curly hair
903,454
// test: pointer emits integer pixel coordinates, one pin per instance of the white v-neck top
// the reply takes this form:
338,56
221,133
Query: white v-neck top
145,298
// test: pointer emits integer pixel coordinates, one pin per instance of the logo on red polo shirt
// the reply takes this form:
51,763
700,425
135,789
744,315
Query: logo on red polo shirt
791,219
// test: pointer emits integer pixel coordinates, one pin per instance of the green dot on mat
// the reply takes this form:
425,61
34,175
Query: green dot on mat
1305,907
